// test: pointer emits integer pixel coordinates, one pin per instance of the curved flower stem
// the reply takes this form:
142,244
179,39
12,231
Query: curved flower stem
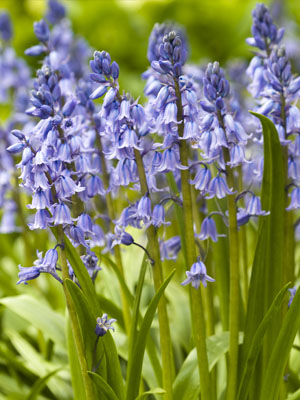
88,384
112,216
168,368
198,321
145,250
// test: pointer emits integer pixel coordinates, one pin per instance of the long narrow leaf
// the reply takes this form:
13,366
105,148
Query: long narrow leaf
121,279
280,353
257,343
266,277
88,323
136,361
76,376
187,384
31,310
40,384
103,387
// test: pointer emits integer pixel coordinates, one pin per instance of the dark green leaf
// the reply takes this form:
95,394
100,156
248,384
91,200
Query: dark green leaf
40,384
103,387
187,385
76,376
280,354
136,357
266,277
153,391
257,343
29,308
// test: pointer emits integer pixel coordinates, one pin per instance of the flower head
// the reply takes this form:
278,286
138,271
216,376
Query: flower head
197,274
103,325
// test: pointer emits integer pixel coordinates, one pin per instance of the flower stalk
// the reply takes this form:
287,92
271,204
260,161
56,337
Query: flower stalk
196,301
168,370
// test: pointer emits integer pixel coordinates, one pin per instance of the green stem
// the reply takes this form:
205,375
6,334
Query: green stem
289,239
168,368
117,252
244,247
234,289
234,298
198,321
88,385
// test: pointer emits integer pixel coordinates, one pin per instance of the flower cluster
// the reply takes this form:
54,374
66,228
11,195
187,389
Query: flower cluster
77,154
277,90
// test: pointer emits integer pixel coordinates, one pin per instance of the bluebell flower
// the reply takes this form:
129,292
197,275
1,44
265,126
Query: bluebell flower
90,261
295,199
76,235
41,30
103,325
170,248
95,186
42,220
208,230
242,217
85,222
66,187
161,43
264,31
202,179
253,206
158,216
292,291
170,160
143,211
5,27
40,200
50,260
27,274
61,214
121,237
55,12
218,187
197,274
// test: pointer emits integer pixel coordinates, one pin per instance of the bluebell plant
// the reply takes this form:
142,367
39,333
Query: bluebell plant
82,144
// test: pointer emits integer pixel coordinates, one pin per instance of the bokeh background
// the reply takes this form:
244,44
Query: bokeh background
216,29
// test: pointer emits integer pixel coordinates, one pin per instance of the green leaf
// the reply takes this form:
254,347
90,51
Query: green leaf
280,354
40,384
103,387
82,275
187,385
38,366
32,310
87,322
121,279
114,374
76,376
153,391
266,277
111,309
294,396
257,343
136,310
136,357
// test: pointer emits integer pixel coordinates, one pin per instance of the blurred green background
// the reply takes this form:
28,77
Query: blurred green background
216,29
